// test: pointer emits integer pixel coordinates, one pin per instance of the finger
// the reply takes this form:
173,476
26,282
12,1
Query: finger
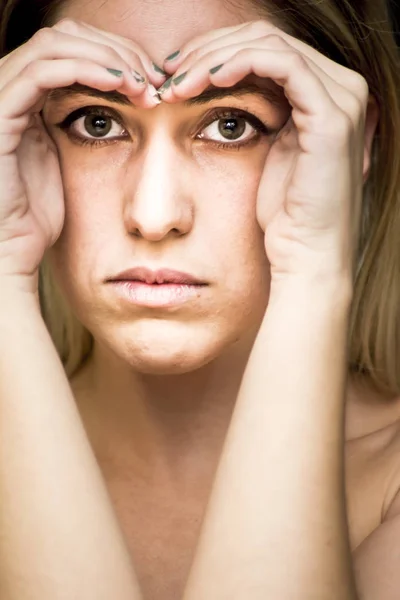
125,47
252,30
342,97
313,107
177,57
218,38
50,44
25,92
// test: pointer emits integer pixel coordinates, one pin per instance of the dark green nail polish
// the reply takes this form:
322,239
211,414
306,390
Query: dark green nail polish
165,86
157,68
115,72
138,77
180,78
173,55
215,69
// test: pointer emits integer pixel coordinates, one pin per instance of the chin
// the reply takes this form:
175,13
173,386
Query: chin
167,365
166,347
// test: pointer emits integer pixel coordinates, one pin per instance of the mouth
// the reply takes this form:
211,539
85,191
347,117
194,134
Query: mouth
159,277
157,295
165,288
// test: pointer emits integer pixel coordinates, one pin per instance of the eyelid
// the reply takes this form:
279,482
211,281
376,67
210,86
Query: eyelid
220,112
246,112
83,111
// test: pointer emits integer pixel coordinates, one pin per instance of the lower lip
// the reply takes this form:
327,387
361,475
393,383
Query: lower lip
156,295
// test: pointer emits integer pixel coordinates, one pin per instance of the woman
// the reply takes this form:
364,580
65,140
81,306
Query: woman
231,432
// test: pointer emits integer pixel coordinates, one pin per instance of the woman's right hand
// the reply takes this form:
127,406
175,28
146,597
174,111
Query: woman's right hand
31,191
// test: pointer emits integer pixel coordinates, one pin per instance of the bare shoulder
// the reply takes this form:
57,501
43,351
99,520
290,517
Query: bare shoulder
369,411
373,491
372,459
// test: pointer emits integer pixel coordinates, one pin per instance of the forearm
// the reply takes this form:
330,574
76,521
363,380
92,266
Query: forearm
276,523
59,538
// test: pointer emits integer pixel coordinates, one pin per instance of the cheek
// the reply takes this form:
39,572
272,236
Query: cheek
92,225
91,204
235,241
230,206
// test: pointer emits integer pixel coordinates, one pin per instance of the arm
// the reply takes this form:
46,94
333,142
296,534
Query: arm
59,538
276,525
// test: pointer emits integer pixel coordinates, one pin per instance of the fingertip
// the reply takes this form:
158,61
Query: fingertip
159,70
172,58
153,95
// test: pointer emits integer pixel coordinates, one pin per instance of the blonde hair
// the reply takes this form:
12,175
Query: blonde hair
359,36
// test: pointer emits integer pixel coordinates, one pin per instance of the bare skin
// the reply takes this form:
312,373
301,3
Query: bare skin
157,396
157,429
160,504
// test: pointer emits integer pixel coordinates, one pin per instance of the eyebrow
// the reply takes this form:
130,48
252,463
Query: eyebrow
242,88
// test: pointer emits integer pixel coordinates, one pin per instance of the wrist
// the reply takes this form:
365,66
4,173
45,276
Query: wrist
16,293
311,292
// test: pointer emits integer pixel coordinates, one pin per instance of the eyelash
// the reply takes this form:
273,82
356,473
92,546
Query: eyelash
217,114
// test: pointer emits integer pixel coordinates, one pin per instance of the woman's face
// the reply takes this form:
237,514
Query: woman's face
164,198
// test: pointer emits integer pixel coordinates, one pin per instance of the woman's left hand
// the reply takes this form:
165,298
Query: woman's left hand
310,194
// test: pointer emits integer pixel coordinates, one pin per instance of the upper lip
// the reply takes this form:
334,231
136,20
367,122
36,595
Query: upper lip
161,276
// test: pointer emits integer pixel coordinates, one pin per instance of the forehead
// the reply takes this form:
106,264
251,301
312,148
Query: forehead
160,26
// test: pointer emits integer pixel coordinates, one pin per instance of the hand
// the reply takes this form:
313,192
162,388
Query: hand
310,193
32,201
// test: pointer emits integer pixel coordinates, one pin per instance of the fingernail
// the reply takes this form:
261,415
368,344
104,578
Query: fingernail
154,94
180,78
165,86
115,72
215,69
173,55
138,77
157,68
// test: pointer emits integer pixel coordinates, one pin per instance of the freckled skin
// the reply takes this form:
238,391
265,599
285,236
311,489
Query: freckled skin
165,185
163,199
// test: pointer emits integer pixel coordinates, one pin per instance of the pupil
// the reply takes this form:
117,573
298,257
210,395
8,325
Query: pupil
98,126
232,128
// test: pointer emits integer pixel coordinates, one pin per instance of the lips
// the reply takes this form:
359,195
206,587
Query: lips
162,276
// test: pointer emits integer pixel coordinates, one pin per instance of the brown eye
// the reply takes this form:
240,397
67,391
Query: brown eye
94,123
98,126
232,128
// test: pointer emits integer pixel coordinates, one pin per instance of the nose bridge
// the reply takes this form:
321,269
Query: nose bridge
158,201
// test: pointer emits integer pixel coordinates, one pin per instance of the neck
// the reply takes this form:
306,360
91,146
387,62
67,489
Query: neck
159,426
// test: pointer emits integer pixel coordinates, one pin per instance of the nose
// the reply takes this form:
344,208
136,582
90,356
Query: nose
158,199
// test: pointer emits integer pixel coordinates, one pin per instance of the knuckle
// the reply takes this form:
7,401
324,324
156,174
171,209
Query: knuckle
297,60
355,109
67,25
112,55
43,37
361,86
243,53
136,54
32,70
192,56
132,59
276,40
191,46
259,27
359,80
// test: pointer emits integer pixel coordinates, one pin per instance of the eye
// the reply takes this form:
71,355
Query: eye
233,128
97,126
94,123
